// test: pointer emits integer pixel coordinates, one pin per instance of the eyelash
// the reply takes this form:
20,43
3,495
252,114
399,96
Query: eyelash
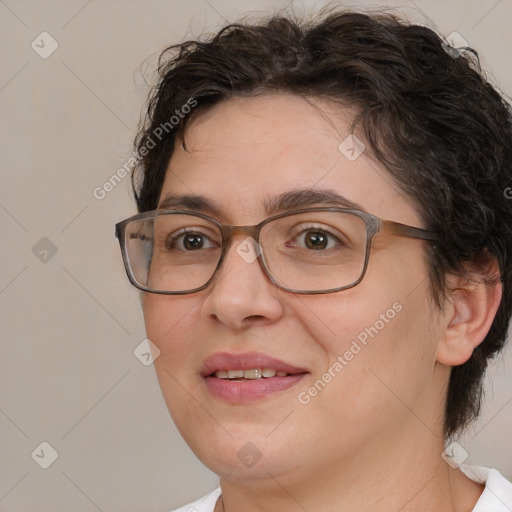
319,229
173,239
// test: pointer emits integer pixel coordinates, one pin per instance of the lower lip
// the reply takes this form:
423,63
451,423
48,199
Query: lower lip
243,391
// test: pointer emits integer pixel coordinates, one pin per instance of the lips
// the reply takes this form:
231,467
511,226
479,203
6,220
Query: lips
239,378
224,361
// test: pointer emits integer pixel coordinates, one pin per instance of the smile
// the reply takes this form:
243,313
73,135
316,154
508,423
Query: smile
256,373
242,378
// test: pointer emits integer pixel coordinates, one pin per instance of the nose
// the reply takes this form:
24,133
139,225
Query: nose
241,295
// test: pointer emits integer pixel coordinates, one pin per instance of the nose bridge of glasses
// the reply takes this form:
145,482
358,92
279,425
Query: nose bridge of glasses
228,232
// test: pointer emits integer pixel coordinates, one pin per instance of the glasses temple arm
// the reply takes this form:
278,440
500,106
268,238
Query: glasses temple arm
396,228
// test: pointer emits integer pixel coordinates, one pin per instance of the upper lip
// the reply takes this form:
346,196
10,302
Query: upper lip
246,361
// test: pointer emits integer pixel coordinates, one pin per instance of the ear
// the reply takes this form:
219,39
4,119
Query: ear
470,307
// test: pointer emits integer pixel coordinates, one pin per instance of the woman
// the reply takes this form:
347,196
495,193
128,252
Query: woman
323,242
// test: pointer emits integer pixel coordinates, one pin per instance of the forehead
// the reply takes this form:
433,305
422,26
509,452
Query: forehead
245,152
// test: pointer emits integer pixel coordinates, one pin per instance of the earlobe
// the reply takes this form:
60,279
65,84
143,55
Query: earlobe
470,309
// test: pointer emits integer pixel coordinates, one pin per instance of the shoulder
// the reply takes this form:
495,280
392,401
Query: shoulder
497,495
205,504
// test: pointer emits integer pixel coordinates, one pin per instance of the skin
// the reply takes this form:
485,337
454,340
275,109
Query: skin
372,438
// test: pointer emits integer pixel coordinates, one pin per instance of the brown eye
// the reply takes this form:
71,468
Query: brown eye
193,241
316,240
189,241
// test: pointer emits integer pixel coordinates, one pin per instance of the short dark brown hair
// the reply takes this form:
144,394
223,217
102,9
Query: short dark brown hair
427,113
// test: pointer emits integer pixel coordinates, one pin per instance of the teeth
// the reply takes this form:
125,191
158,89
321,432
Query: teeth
252,374
256,373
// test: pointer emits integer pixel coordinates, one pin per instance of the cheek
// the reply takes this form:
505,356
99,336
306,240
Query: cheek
377,360
380,333
171,324
168,319
352,318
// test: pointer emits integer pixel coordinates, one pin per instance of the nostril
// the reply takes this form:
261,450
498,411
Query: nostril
253,319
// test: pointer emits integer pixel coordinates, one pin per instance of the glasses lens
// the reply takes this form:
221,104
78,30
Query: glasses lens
315,251
172,252
309,251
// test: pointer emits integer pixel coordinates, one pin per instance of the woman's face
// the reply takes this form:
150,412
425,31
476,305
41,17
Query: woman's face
369,349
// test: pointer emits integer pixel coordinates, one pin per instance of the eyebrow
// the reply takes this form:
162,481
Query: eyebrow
290,200
303,198
192,202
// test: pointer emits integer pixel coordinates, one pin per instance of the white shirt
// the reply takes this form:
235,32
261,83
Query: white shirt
497,495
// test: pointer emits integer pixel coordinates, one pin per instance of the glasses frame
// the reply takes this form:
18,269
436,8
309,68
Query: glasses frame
373,224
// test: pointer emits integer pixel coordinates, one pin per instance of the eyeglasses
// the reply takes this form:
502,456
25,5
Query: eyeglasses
309,251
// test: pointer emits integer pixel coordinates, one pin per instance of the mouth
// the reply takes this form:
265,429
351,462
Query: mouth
240,378
253,374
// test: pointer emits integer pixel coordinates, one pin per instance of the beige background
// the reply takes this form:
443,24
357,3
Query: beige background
70,320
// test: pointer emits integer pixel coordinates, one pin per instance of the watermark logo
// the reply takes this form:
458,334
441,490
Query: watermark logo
44,250
166,127
455,44
352,147
44,455
158,133
454,455
114,180
508,193
146,352
249,455
44,45
249,250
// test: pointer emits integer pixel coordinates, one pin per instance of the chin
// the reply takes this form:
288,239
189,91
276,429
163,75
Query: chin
245,455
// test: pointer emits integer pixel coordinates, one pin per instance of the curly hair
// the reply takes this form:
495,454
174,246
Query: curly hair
427,112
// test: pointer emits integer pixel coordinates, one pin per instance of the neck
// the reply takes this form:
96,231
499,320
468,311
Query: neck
373,479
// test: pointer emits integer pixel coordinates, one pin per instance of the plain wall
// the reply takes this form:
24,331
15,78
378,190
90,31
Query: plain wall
70,320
